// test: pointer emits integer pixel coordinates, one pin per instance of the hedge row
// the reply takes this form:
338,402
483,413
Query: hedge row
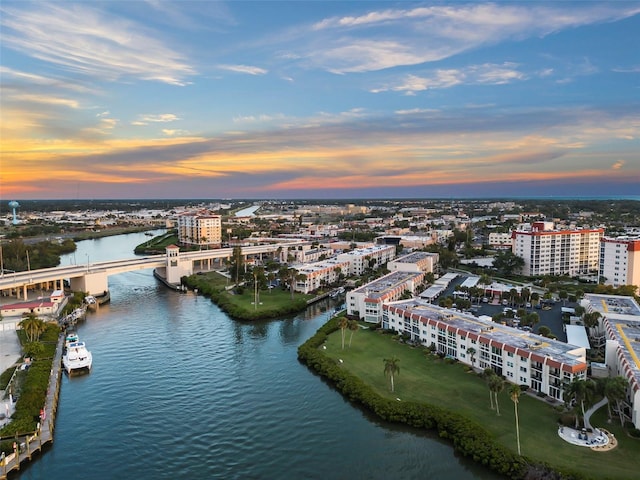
468,437
32,389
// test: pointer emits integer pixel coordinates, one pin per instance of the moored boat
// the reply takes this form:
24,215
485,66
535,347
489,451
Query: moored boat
76,358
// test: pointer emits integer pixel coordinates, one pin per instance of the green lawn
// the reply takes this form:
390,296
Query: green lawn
425,378
274,298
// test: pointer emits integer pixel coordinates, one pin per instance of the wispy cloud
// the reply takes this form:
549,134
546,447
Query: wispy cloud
248,69
487,74
50,100
145,119
427,34
82,40
618,165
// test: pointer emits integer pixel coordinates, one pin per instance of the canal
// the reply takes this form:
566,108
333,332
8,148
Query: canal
179,390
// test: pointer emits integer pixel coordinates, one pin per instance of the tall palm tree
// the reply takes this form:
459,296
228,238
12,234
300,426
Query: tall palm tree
496,384
514,393
580,391
391,368
343,323
353,326
488,375
615,389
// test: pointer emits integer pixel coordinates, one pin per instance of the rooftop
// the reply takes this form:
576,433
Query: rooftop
571,355
414,257
389,282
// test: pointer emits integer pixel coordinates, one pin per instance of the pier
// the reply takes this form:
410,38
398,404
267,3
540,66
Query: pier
27,445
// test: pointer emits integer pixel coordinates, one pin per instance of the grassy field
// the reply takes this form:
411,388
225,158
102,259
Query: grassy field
270,302
426,378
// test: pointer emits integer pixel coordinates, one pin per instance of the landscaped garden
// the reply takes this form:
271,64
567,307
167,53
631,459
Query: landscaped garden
245,303
426,378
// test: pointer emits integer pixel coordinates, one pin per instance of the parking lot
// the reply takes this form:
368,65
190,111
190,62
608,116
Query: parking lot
551,318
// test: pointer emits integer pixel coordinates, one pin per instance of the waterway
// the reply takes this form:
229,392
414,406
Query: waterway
179,390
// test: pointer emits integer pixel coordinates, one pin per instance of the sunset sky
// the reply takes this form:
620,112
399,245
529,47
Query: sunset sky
318,99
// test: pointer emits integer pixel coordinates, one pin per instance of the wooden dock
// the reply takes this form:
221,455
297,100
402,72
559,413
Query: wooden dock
28,445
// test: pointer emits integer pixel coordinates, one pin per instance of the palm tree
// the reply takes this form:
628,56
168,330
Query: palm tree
472,353
391,368
514,393
488,375
615,389
496,384
353,326
32,327
343,323
581,392
535,298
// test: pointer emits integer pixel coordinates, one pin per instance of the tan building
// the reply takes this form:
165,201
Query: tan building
200,229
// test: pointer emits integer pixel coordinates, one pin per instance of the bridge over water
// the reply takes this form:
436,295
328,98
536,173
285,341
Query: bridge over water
92,278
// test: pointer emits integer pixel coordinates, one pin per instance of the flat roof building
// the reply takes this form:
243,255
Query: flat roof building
620,261
620,318
522,358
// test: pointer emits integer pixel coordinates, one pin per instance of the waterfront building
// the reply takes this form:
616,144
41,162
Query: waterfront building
620,321
200,229
620,261
366,302
547,251
319,274
369,257
415,262
522,358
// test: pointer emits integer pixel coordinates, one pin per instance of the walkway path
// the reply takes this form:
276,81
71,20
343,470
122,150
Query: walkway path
597,439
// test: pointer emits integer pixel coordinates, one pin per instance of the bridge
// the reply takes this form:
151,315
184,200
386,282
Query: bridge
92,278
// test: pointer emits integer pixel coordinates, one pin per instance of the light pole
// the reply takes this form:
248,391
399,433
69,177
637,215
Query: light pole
87,262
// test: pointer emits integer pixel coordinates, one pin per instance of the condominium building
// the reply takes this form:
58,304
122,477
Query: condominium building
620,261
366,302
546,251
521,358
415,262
620,319
370,257
500,240
201,229
319,274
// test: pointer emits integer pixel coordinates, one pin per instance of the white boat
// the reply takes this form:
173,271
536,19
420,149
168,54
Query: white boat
71,337
76,358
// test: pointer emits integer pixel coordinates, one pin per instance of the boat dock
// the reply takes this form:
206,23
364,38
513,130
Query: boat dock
25,446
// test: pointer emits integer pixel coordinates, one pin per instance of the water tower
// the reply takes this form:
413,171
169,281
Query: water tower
13,205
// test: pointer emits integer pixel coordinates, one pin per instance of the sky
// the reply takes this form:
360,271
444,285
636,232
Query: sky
318,99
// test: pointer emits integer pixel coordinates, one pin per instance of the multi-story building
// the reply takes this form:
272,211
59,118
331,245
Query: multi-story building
620,261
546,251
500,240
202,229
319,274
370,257
415,262
366,302
543,364
620,320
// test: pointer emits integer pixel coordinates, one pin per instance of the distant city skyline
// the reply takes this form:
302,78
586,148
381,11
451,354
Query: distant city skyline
319,99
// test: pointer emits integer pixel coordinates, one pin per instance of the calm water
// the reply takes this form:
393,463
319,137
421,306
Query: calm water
179,390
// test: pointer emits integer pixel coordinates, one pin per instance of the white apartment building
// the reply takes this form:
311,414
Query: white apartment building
621,321
321,273
620,261
202,229
415,262
359,260
500,240
521,358
546,251
366,302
